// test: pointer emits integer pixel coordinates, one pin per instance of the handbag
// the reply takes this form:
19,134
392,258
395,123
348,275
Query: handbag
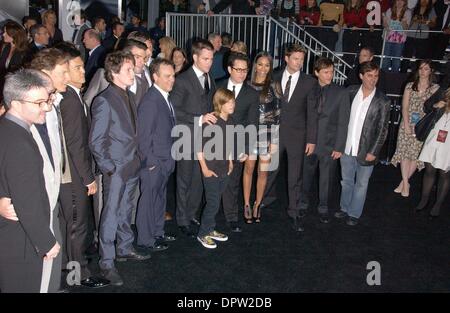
424,126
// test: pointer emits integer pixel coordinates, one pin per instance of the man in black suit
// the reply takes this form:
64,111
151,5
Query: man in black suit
113,142
192,100
367,131
76,203
365,54
141,84
298,126
40,37
333,111
110,42
155,122
246,113
96,55
26,242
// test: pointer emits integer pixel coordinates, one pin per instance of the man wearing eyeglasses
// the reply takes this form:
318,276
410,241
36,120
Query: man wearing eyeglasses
26,240
245,114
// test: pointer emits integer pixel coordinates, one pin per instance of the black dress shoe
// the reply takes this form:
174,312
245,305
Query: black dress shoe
186,230
166,238
133,256
195,222
296,224
62,290
95,282
158,247
340,214
234,226
324,218
113,276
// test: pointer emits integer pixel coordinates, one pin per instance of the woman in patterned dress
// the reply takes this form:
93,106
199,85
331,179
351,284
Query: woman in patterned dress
408,147
269,120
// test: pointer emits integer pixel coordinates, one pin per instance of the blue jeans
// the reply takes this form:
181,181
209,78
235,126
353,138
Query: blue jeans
354,192
394,50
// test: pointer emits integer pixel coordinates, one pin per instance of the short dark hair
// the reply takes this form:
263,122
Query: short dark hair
368,66
26,18
237,56
156,65
115,24
130,43
368,48
35,29
295,47
68,49
114,62
47,59
98,19
201,44
322,63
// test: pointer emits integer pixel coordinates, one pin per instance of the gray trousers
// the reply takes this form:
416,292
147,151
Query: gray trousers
115,222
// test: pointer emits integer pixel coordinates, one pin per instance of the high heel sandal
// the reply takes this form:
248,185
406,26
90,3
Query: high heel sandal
399,188
256,208
247,215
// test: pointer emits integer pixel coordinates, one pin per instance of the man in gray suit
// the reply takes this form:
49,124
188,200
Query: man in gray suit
113,142
81,24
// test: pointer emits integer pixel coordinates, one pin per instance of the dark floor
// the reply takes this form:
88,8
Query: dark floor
413,252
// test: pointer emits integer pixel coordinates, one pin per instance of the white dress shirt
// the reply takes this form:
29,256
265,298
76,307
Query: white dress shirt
51,119
358,114
237,87
201,78
294,80
165,94
79,96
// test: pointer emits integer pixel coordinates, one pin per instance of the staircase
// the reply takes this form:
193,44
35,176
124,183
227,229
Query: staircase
260,33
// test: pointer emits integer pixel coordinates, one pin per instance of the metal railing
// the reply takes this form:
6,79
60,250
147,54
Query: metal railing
314,47
183,28
260,33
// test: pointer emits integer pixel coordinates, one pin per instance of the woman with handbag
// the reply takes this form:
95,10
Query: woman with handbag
436,155
408,147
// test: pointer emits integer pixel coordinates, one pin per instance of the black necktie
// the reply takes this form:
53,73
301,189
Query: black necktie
74,35
206,84
234,91
42,130
130,108
287,89
321,100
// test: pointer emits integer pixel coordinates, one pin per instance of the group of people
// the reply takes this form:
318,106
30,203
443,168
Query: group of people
342,25
68,137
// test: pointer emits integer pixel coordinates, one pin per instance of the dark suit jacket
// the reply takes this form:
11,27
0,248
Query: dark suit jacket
31,52
22,180
94,62
112,138
76,131
375,127
155,123
333,120
246,111
109,43
298,121
189,98
237,6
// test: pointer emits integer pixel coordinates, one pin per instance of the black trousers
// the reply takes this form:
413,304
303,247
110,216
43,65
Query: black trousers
327,174
151,206
232,199
76,221
350,43
295,150
189,190
419,48
19,276
214,188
